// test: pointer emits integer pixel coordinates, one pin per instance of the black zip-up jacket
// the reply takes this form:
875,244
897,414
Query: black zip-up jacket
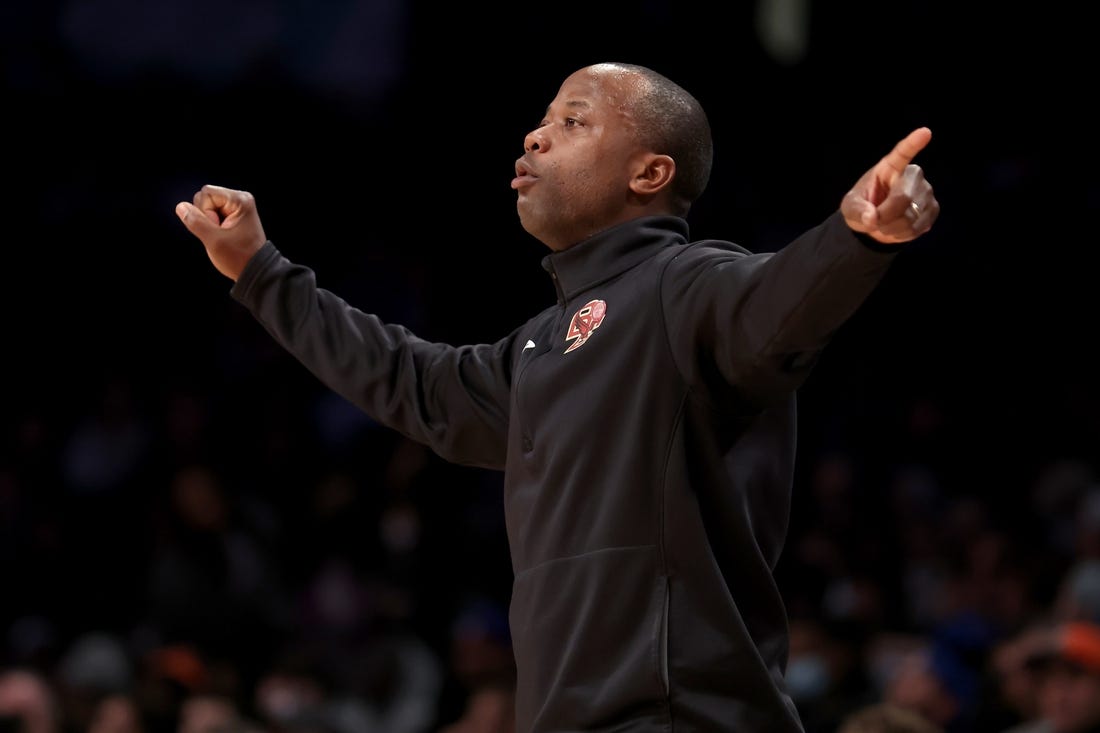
645,425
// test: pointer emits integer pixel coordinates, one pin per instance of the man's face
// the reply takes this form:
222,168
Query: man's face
573,178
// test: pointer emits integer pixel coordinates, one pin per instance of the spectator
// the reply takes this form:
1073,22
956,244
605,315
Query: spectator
28,703
887,718
117,713
1069,694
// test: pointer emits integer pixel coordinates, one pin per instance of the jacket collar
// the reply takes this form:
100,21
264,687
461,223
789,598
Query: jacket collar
612,252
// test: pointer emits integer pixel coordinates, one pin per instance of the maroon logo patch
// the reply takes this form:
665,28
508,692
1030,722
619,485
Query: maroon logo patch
584,322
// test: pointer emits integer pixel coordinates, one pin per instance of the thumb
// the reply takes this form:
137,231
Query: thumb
194,219
868,214
859,213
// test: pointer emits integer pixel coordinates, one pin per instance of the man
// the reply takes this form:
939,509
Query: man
645,423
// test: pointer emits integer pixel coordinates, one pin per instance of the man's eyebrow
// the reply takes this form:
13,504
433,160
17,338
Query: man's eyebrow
573,104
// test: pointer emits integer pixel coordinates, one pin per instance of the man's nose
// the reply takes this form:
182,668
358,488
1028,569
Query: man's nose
535,141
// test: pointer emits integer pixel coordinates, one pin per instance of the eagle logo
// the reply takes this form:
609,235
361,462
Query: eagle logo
584,322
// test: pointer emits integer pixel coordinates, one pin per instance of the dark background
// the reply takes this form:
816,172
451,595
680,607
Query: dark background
380,137
379,140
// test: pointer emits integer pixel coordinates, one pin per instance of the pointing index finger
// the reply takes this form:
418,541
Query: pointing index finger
907,148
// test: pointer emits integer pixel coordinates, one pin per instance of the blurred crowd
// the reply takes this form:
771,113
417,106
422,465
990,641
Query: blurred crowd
336,580
216,561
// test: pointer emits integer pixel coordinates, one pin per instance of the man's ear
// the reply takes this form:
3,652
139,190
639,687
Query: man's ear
653,174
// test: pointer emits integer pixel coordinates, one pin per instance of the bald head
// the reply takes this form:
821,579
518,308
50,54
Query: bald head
669,121
618,141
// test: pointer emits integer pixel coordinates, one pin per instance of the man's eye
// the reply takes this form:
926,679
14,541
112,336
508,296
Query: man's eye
571,122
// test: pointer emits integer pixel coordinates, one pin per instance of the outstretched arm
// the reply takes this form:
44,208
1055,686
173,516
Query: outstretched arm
763,319
452,399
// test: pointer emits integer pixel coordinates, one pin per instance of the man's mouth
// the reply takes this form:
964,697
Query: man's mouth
525,177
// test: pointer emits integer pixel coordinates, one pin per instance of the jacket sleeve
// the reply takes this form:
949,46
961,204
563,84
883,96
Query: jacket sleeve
454,399
751,326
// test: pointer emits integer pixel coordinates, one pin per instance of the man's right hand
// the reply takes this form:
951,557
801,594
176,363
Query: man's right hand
228,225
